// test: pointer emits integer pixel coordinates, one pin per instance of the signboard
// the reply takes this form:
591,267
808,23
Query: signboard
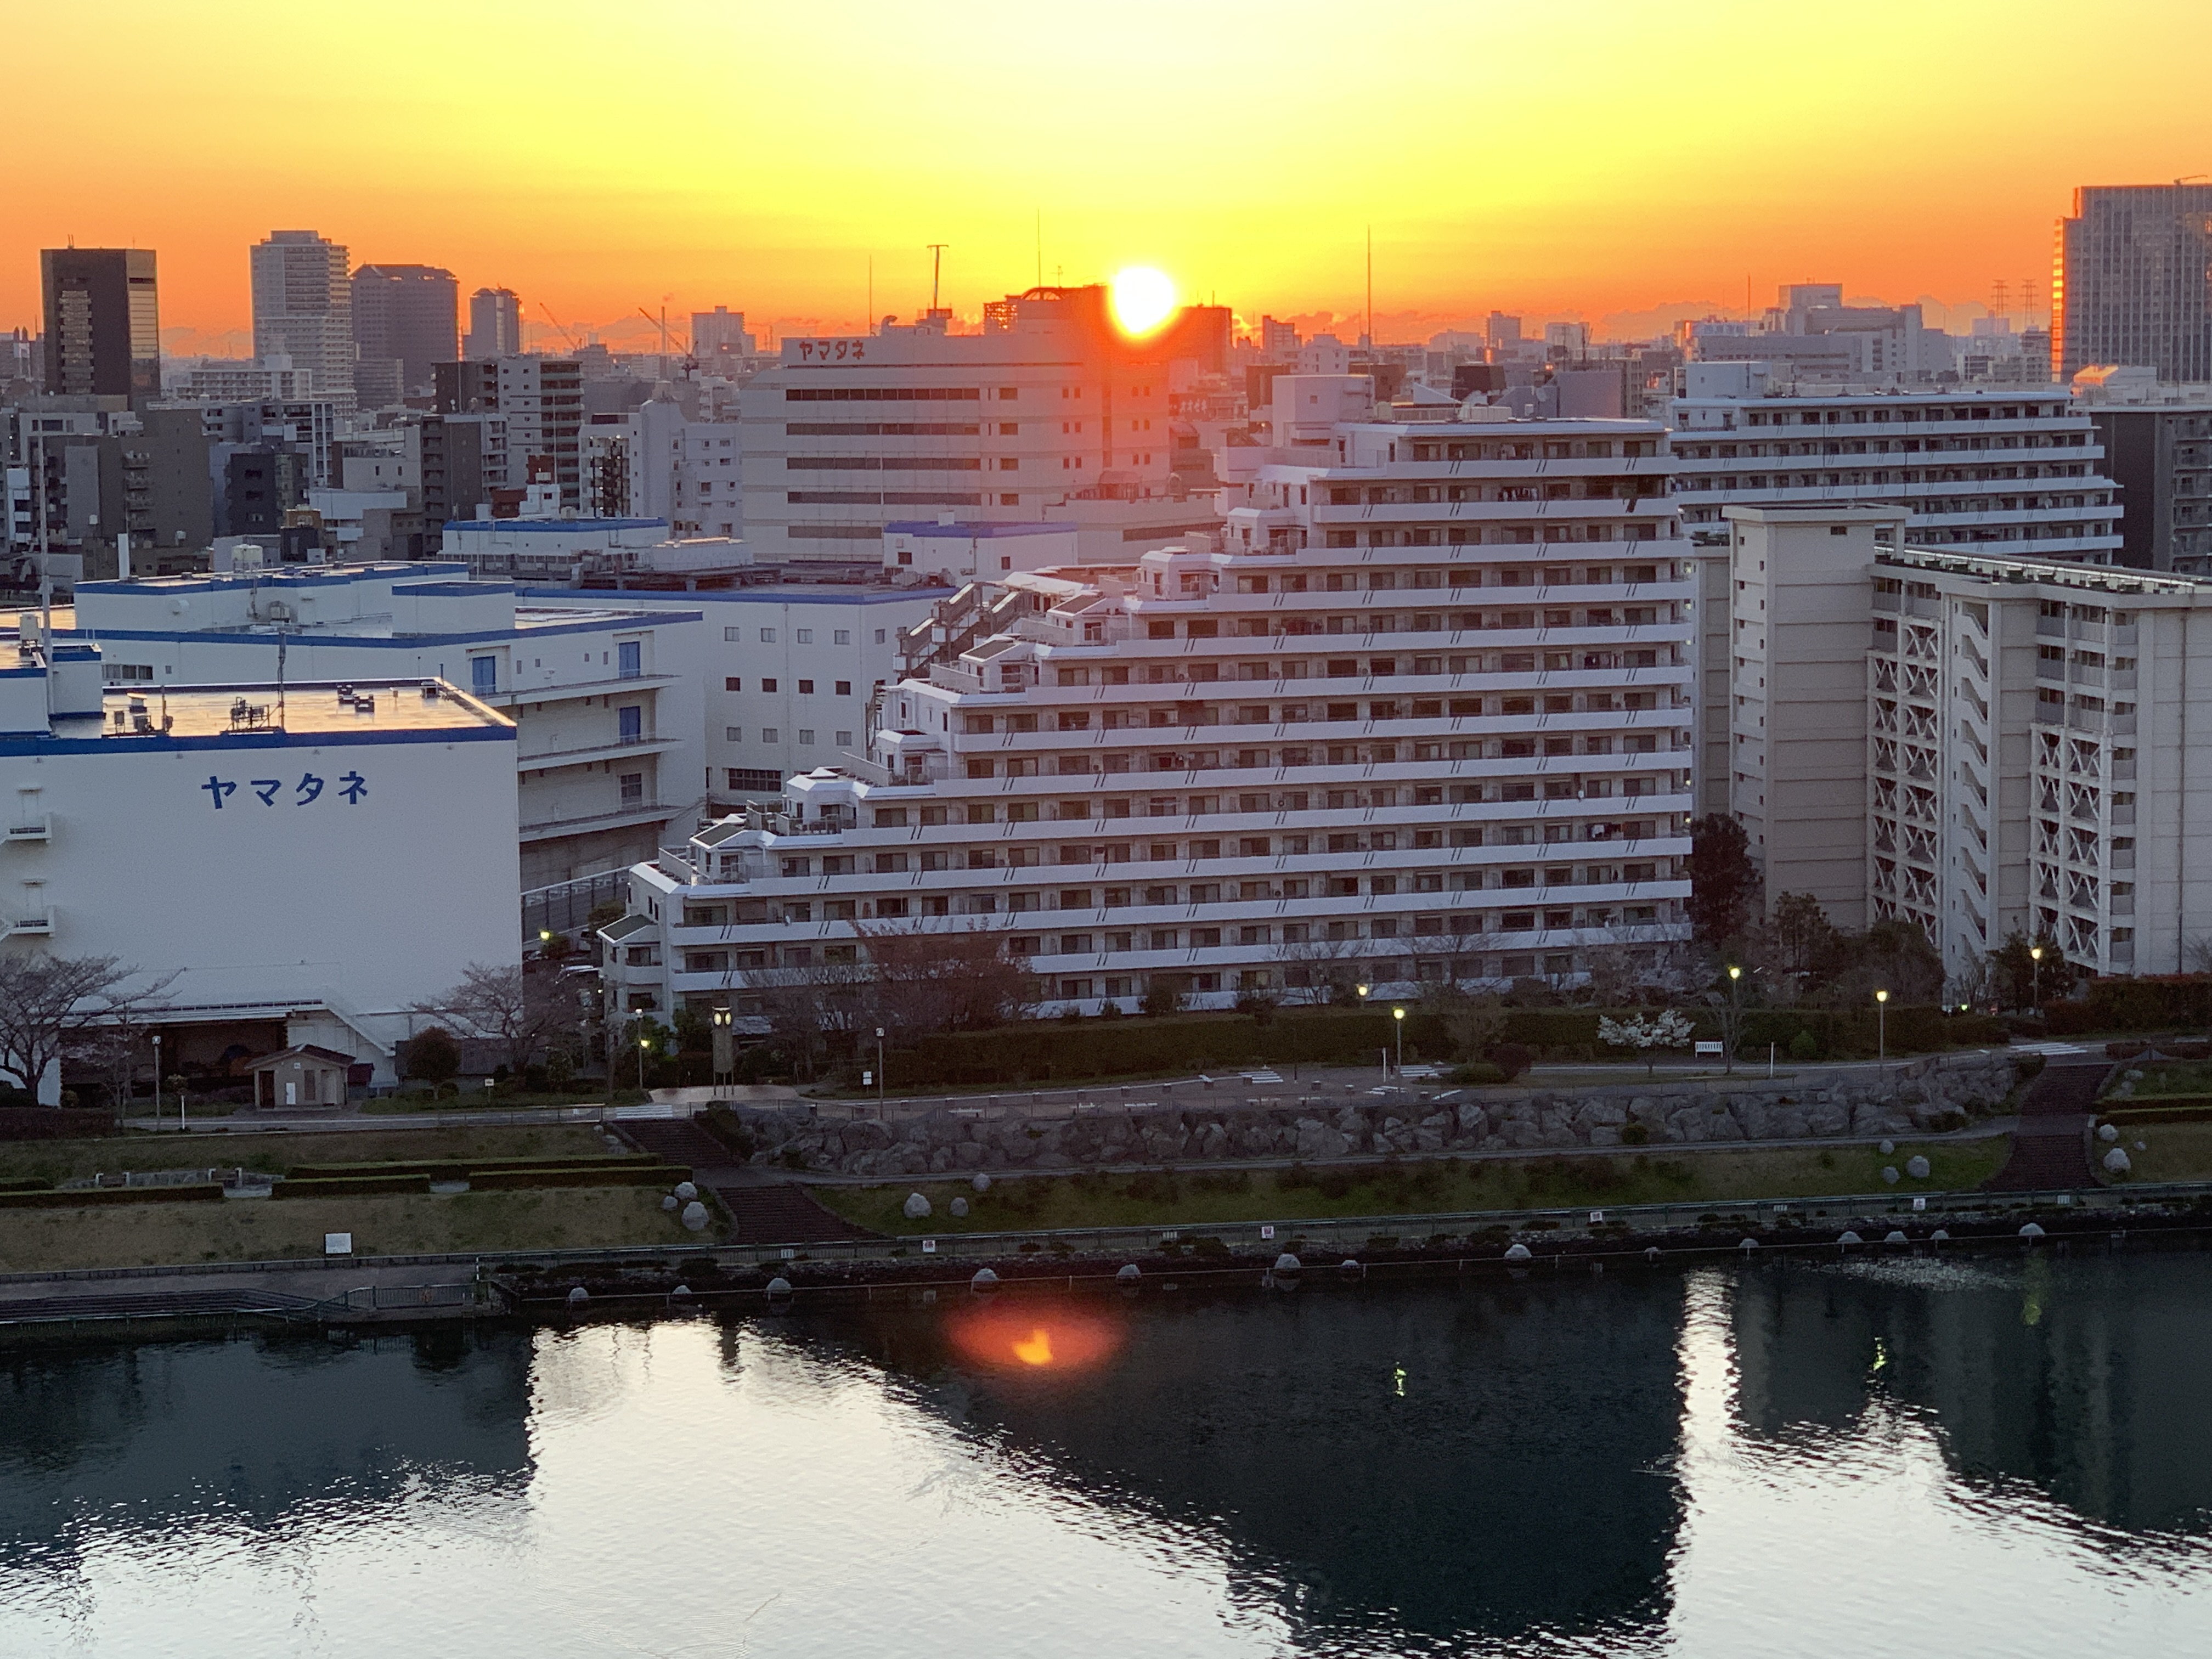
338,1243
1266,1232
1598,1216
1709,1049
1919,1203
929,1247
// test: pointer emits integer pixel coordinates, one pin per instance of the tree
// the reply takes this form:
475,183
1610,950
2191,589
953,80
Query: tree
1164,993
52,1009
812,1009
433,1057
1724,885
1317,970
946,978
521,1013
1803,940
2020,979
1646,1033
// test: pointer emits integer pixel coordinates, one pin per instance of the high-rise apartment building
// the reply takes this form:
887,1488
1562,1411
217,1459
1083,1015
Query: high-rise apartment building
2024,733
103,323
1051,404
718,339
405,322
2017,470
542,400
2161,454
1429,719
303,309
494,325
2133,281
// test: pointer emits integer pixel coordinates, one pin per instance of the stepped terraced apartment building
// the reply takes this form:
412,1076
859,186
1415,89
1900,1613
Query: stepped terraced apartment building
1428,714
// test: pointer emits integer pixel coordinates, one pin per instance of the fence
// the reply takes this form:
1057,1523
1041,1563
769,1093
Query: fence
564,907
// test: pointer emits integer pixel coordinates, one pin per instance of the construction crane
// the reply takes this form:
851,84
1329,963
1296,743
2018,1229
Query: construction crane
661,323
558,323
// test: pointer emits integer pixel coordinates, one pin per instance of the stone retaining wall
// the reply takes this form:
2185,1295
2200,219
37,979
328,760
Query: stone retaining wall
1918,1096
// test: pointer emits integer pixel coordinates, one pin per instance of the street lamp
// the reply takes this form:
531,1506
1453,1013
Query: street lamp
644,1044
157,1081
1398,1024
725,1061
2035,971
1881,1027
1735,1015
879,1074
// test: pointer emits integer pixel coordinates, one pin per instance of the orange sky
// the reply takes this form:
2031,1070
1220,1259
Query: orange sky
1611,156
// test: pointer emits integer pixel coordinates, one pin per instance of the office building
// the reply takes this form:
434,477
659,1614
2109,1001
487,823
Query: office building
719,342
1050,405
249,380
1810,334
2024,735
303,310
1427,717
2134,281
494,325
103,322
404,323
2158,448
541,400
311,901
2018,471
604,698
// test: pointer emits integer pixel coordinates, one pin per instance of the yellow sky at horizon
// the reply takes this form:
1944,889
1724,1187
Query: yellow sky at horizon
1613,156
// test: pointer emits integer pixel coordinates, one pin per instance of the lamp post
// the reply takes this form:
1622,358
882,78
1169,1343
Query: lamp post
1735,1014
1882,1029
725,1061
879,1074
2035,972
157,1081
644,1044
1398,1024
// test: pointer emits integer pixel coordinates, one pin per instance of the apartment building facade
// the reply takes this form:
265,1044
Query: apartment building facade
1432,720
2029,740
2016,471
303,310
541,401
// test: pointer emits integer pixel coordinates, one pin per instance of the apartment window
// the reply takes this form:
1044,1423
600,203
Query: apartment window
807,688
804,636
732,636
806,737
844,740
768,686
734,685
733,734
771,734
844,687
629,660
630,724
633,789
483,675
767,636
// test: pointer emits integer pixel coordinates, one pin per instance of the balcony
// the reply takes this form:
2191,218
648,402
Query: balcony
635,812
614,748
33,829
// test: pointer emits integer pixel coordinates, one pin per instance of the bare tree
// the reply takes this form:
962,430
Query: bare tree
521,1013
1328,967
52,1008
807,1007
946,978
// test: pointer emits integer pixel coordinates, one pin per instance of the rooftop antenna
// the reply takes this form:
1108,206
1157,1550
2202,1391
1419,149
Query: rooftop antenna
936,269
1370,340
870,317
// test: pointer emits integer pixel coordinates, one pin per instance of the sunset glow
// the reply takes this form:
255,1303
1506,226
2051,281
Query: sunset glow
1054,1339
1142,299
1647,156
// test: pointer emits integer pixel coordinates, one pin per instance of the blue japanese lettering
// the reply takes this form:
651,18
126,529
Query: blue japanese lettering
218,788
307,789
266,788
353,787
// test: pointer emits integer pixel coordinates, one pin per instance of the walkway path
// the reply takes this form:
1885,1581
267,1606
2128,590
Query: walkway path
2051,1149
766,1208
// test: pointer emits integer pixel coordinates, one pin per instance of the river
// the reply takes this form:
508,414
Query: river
1997,1456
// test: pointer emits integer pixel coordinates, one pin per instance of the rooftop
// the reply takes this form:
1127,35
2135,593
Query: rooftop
2099,578
321,708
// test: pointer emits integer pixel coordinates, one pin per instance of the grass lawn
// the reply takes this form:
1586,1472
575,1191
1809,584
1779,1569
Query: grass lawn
54,1160
2172,1151
2172,1077
1157,1199
266,1230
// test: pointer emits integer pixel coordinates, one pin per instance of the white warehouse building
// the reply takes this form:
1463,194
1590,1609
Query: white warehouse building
1428,717
608,759
308,865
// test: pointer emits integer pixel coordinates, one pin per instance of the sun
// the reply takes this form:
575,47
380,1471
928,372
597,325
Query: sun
1142,299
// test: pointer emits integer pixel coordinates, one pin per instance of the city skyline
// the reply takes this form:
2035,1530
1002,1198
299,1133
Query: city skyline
1636,165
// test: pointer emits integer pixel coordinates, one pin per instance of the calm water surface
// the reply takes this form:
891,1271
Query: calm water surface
1966,1457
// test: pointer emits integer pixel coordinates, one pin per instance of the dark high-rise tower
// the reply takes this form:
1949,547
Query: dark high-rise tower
405,318
103,323
2133,284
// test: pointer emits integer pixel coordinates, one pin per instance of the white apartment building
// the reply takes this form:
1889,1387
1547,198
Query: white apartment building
1430,719
2029,739
303,311
542,401
607,760
788,673
654,463
309,866
2012,471
1049,402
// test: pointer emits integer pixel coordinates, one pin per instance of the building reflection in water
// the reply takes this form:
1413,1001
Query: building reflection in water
2084,1376
1427,1460
169,1435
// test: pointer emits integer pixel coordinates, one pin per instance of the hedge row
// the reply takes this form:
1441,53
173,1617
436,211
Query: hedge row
96,1197
451,1169
1837,1034
1044,1049
2159,1003
352,1186
54,1123
631,1174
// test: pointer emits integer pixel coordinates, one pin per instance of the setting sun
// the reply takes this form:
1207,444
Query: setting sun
1143,298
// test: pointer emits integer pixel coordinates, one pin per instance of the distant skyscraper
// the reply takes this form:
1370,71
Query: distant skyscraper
2133,284
303,308
494,325
405,319
103,322
719,333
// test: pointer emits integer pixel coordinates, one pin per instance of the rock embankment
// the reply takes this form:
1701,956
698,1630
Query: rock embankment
1916,1098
